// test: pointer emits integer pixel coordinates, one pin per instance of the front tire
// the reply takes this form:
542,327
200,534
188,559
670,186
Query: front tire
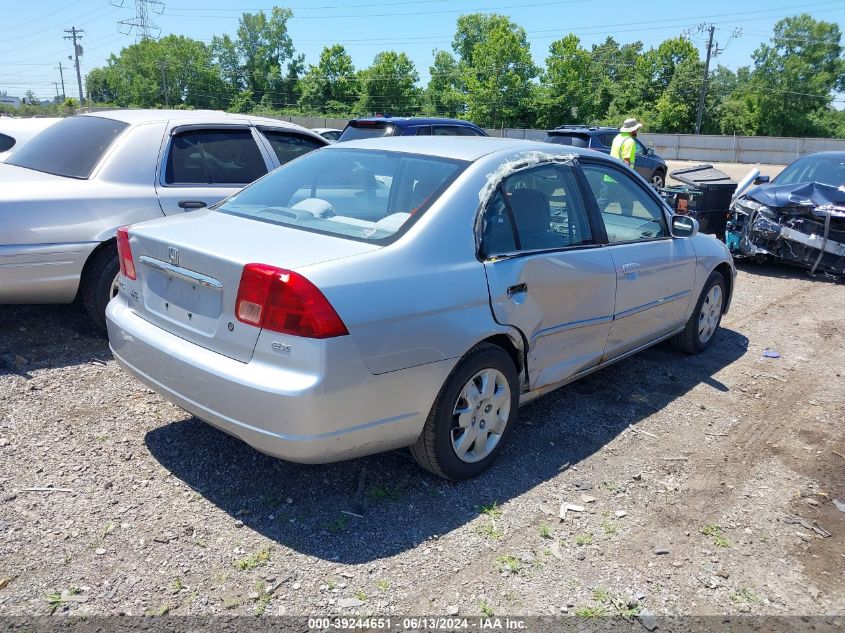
704,322
472,417
99,284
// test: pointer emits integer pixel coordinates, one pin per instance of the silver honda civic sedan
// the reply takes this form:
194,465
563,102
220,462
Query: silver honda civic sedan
413,292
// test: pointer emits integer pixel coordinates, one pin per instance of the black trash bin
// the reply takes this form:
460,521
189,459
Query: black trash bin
716,188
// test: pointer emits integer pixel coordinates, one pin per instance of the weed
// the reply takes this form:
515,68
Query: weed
200,543
745,595
485,608
584,539
601,595
489,531
331,584
384,493
609,527
383,584
609,486
258,559
101,438
361,595
164,609
715,532
591,612
545,530
493,512
176,586
338,525
221,576
508,564
262,600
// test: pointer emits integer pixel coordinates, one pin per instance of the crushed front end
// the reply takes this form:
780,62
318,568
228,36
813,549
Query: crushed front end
801,224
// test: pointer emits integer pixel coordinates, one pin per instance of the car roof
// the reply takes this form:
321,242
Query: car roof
582,129
414,120
137,116
469,148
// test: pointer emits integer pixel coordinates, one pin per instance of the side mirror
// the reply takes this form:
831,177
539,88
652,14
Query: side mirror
649,151
761,179
684,226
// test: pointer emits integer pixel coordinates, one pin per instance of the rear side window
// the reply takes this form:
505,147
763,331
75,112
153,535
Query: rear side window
214,157
468,131
6,143
289,146
575,140
368,129
71,147
424,130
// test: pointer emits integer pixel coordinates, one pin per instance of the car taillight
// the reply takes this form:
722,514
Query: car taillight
285,301
124,253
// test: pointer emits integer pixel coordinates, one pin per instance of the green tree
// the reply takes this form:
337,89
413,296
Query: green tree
566,94
795,76
330,87
445,94
388,86
264,46
497,69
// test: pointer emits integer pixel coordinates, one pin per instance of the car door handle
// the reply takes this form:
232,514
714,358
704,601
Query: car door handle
630,268
192,204
518,288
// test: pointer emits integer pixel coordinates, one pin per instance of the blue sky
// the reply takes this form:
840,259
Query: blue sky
32,44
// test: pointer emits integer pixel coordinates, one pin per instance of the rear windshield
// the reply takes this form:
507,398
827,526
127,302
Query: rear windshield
72,147
368,129
575,140
367,195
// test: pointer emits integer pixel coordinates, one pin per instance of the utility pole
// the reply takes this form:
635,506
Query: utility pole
56,84
712,30
62,77
77,49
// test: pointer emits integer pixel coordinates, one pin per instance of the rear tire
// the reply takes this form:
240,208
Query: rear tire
479,398
99,284
658,179
703,324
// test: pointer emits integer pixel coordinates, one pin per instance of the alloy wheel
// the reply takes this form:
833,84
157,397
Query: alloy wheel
711,312
480,416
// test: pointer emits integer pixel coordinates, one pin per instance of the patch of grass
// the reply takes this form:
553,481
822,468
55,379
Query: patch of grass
271,501
601,595
545,530
101,438
262,600
508,564
331,584
55,599
258,559
745,595
233,601
164,609
485,609
383,584
715,532
591,612
361,595
585,538
221,576
67,558
200,543
338,525
384,493
609,486
609,527
176,586
491,530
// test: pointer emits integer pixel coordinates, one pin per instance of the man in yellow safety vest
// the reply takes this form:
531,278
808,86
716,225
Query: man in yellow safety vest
624,148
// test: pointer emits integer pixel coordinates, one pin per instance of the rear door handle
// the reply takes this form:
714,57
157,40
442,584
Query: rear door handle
192,204
518,288
630,268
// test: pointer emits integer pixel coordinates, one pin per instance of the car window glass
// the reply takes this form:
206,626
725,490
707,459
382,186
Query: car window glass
444,130
6,143
607,139
466,131
628,211
547,209
289,146
214,157
71,147
827,170
575,140
497,235
641,149
362,194
424,130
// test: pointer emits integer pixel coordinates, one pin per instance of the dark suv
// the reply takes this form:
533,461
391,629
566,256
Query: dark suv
372,127
648,164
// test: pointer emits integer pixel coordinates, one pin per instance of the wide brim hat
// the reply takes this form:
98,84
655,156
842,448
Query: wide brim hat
630,125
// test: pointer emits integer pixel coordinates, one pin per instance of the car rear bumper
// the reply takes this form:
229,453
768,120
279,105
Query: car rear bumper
294,415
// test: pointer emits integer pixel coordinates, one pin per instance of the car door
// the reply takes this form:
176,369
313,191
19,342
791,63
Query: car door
202,164
644,164
655,272
547,273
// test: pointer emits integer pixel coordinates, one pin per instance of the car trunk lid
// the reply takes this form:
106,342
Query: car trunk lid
189,269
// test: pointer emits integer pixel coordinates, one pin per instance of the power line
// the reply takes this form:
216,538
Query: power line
77,51
141,24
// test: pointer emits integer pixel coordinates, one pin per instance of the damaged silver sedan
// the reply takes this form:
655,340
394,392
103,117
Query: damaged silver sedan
798,218
396,292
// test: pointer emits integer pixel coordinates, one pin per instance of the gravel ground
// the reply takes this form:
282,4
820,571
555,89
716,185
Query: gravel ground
707,486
